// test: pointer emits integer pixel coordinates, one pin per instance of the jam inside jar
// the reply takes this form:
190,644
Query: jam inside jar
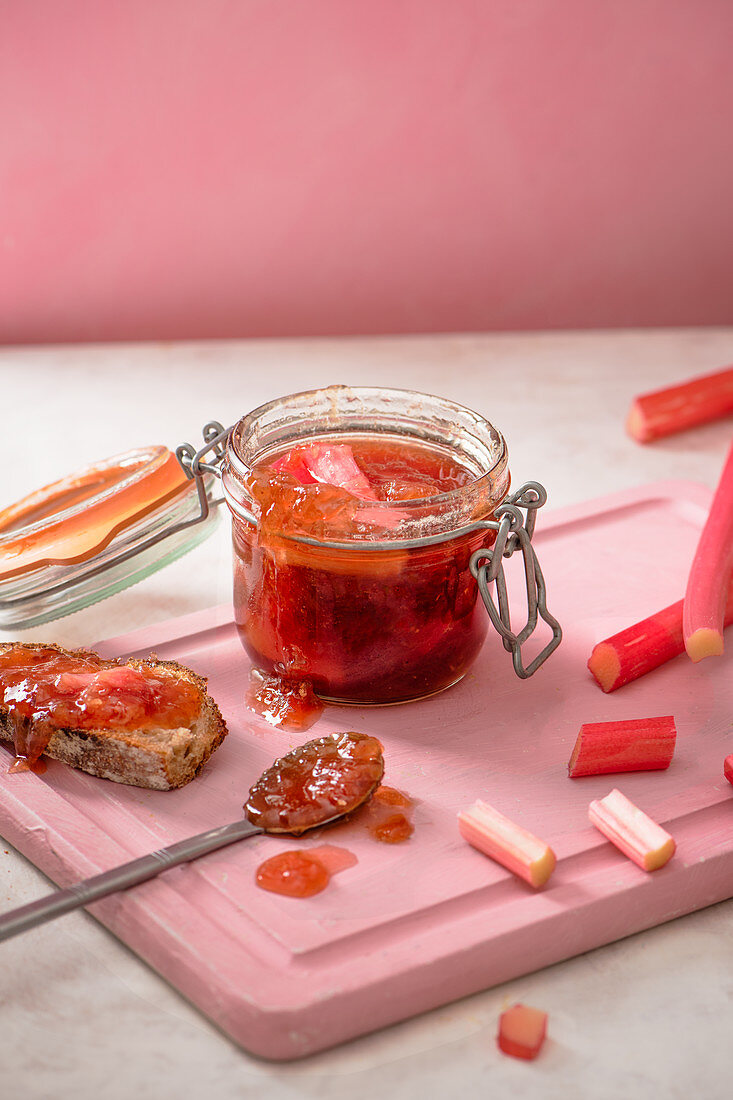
355,512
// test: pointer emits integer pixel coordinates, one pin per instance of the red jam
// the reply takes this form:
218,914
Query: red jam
44,690
299,874
387,816
363,624
282,701
293,873
316,782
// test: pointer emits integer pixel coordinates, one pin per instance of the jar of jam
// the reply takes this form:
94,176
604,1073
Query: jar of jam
362,519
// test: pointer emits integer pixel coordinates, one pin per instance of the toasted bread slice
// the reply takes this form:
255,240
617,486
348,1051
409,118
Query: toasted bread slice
153,757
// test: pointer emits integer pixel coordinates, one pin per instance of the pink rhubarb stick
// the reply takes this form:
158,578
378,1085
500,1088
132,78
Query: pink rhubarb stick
703,614
675,408
632,831
522,1031
633,745
507,843
644,646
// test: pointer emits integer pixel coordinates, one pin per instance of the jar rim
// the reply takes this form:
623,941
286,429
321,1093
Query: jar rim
343,405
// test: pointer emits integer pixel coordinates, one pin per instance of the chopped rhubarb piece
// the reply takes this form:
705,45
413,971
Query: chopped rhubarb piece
522,1031
703,614
643,647
632,831
633,745
728,768
507,843
675,408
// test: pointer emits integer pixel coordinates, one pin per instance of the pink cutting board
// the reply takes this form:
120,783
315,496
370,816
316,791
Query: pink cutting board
418,924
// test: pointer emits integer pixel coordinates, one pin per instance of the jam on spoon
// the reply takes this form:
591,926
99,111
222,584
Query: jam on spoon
316,783
319,782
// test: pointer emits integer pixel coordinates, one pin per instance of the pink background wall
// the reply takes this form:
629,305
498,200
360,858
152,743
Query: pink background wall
187,168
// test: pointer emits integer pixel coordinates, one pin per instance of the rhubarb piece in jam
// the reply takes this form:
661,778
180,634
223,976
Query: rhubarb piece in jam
44,690
370,620
283,701
301,874
327,465
315,783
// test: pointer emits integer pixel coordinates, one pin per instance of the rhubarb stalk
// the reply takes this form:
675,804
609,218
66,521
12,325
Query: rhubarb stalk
632,831
644,646
728,768
675,408
703,615
507,843
633,745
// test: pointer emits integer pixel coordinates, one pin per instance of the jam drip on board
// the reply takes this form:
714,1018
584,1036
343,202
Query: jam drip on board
316,782
387,816
44,690
307,788
301,874
283,701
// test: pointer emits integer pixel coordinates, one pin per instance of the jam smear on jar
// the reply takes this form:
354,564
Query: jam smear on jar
301,874
316,782
367,622
283,701
44,690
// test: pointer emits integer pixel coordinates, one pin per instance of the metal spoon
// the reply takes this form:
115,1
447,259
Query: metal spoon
314,804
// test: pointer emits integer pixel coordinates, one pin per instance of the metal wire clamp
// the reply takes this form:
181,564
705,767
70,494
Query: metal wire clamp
514,532
196,463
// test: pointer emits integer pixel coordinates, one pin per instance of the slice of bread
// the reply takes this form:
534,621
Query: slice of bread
158,758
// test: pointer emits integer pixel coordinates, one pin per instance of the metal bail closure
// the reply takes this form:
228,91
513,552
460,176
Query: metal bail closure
514,532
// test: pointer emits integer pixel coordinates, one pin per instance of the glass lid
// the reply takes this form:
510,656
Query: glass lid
95,532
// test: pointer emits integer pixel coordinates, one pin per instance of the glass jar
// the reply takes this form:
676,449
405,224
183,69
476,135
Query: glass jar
376,603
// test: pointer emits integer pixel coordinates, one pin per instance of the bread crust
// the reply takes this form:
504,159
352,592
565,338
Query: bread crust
158,759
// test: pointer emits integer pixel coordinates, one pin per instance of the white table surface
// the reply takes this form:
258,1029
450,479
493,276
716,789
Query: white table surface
80,1015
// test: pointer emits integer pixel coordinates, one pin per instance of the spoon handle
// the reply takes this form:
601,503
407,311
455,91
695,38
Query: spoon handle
120,878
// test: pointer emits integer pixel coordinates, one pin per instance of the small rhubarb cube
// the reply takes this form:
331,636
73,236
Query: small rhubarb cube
633,745
728,768
632,831
522,1031
507,843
